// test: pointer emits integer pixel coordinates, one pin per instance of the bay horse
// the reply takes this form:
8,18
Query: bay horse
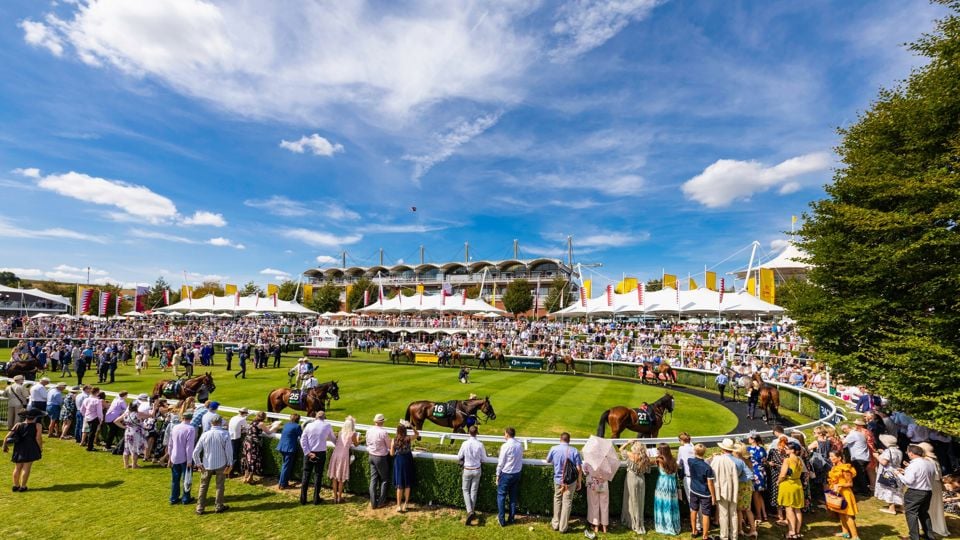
418,411
198,387
29,368
769,399
396,355
313,400
500,358
621,418
555,359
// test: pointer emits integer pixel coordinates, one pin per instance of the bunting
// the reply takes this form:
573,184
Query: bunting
166,297
366,298
464,299
141,298
236,299
116,307
640,287
722,282
104,302
86,298
380,291
274,299
609,295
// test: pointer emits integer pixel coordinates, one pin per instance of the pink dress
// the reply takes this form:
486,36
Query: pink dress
339,466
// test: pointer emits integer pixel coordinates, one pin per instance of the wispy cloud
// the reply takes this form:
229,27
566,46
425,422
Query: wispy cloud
320,238
158,235
202,217
727,180
584,25
394,228
224,242
447,143
327,259
315,144
280,205
41,35
276,273
10,230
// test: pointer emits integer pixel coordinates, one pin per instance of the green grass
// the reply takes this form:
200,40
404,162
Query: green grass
69,484
534,403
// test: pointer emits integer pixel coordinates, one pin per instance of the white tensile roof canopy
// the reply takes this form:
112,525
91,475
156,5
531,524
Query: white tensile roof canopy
435,303
228,304
668,301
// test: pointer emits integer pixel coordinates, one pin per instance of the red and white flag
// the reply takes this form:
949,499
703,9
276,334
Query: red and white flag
236,298
274,299
583,296
86,298
104,300
609,295
380,293
464,299
721,289
116,309
366,298
640,287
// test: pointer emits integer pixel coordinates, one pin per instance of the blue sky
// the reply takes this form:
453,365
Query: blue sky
251,140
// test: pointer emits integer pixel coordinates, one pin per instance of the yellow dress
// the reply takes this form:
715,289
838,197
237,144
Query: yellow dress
843,474
790,494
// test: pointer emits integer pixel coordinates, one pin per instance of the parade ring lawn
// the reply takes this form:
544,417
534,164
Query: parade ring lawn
535,403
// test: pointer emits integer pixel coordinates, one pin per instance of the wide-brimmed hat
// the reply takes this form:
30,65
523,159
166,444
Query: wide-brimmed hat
143,397
379,418
61,385
74,389
726,444
44,380
859,422
888,440
927,450
32,413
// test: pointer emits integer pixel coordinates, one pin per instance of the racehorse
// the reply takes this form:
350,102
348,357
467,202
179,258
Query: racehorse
198,387
500,358
396,355
666,373
556,359
769,400
622,418
312,400
740,383
28,368
418,411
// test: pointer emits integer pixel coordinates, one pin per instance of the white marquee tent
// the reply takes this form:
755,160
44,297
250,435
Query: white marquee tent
435,303
669,301
229,304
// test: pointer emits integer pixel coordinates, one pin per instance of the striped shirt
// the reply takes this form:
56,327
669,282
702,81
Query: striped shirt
214,450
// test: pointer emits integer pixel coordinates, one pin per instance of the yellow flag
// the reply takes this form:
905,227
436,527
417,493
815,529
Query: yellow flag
669,280
712,281
768,287
347,295
588,287
185,292
752,286
229,289
272,289
627,285
793,219
420,288
307,293
692,285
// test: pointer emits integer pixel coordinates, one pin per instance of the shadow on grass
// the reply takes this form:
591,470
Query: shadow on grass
248,496
272,505
69,488
874,530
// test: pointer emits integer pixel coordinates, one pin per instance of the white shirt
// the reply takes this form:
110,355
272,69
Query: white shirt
38,393
236,426
511,456
857,443
684,453
919,474
472,452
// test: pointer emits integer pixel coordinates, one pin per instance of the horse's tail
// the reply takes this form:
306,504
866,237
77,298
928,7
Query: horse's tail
270,402
602,428
407,415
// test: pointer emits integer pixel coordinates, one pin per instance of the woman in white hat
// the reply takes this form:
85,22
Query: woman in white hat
936,502
888,488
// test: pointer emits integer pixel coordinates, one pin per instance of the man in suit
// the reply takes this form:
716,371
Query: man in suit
288,447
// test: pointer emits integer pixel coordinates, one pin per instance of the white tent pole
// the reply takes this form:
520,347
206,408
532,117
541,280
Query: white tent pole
753,254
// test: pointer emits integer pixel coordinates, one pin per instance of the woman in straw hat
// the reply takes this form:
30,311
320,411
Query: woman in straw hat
27,439
888,488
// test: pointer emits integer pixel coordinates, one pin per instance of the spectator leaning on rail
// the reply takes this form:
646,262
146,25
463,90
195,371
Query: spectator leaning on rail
565,460
288,447
313,441
471,455
378,447
509,464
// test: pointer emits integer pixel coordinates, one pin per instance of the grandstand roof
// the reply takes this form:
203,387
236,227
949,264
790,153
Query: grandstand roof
37,293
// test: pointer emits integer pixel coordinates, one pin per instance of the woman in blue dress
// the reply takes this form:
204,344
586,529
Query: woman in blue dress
402,452
666,505
758,456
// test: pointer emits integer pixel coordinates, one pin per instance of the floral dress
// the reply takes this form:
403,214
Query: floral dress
251,459
774,462
758,455
69,409
134,436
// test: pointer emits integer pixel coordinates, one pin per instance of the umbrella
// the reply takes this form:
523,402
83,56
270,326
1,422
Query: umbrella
39,316
602,458
225,316
254,314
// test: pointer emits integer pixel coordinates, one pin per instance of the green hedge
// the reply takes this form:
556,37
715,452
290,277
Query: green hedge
439,483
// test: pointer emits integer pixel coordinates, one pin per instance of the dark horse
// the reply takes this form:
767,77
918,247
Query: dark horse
418,411
622,418
311,401
28,368
769,400
198,387
396,355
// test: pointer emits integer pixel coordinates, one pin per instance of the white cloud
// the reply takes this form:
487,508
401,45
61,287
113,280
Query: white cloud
201,217
64,276
136,201
326,259
77,269
225,242
39,34
593,240
156,235
447,143
24,272
320,238
727,180
274,272
264,59
29,172
388,228
279,205
316,144
584,25
616,184
10,230
779,244
336,212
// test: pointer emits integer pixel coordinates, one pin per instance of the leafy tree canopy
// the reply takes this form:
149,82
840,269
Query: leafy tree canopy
654,285
251,288
326,298
288,289
558,296
885,243
355,297
517,298
9,279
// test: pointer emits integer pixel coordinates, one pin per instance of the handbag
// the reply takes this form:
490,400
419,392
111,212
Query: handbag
888,480
835,502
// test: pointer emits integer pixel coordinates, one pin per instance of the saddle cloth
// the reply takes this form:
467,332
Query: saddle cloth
643,417
294,398
172,389
445,410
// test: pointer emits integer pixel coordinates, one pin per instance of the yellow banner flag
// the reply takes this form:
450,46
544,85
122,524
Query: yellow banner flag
185,292
272,289
692,286
670,280
712,281
588,287
627,285
752,286
420,288
346,296
229,289
768,286
307,293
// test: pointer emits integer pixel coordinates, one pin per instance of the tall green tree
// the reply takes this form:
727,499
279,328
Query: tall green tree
326,298
654,285
517,298
885,242
251,288
155,296
558,296
9,279
355,298
208,287
288,289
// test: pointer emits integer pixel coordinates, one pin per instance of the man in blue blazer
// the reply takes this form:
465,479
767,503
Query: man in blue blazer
288,448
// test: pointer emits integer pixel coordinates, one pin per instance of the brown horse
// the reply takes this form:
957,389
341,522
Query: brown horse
500,358
418,411
769,399
397,355
622,418
28,368
567,362
311,401
198,387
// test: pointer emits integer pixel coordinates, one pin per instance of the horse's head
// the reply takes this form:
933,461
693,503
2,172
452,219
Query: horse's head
334,390
208,381
487,409
667,402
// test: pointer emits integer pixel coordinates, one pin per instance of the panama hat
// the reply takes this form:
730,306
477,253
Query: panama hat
888,440
859,422
379,418
726,444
